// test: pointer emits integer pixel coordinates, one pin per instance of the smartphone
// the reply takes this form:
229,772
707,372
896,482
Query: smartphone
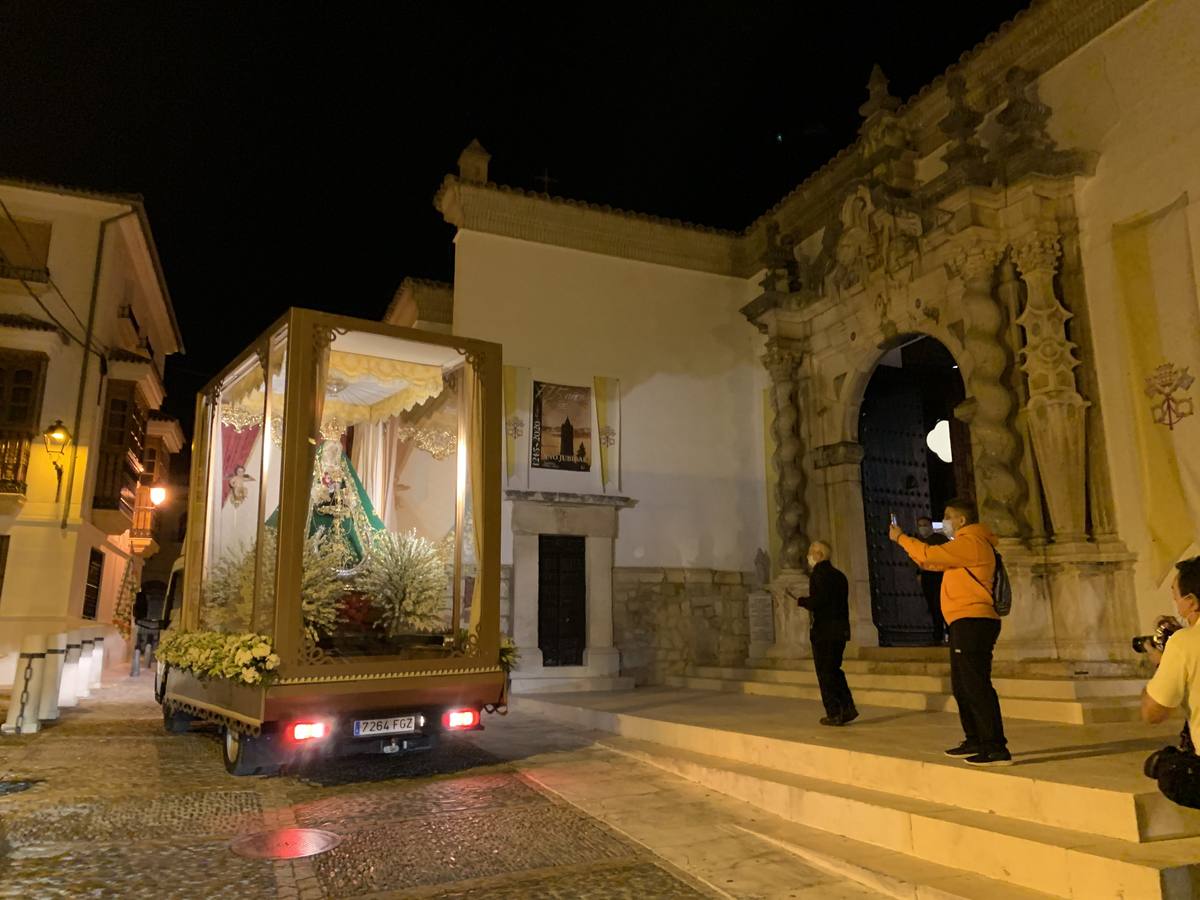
895,521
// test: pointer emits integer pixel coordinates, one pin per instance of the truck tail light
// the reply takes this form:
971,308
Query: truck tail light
460,719
308,731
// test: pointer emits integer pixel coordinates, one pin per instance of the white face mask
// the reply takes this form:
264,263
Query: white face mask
812,562
948,528
924,530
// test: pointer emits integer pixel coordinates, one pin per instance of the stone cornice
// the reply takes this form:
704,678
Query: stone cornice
511,212
564,498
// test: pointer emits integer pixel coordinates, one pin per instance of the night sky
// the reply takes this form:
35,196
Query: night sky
288,153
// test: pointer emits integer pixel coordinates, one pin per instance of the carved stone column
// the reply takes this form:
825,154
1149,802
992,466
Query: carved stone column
990,407
1008,291
782,360
1056,413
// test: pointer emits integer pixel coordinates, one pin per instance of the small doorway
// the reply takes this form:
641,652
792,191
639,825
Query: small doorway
916,456
562,599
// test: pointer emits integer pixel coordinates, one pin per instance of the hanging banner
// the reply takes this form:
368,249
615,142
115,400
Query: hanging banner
608,422
1155,275
518,394
562,427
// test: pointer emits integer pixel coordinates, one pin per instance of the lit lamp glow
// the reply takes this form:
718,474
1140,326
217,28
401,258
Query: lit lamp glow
938,440
57,439
158,495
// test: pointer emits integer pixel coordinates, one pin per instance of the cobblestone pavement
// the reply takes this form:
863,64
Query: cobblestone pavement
104,803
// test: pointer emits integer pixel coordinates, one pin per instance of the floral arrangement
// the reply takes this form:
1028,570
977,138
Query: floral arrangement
229,587
405,577
246,658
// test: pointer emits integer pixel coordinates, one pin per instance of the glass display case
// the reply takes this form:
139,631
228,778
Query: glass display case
347,475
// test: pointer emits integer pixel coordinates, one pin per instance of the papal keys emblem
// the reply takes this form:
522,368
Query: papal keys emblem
1165,387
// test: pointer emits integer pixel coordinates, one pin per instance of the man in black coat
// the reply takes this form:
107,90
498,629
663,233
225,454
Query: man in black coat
828,605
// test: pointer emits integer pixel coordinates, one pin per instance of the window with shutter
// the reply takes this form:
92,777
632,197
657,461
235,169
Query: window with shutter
22,380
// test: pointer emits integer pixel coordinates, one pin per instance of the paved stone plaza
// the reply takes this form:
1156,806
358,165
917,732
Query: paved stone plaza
104,803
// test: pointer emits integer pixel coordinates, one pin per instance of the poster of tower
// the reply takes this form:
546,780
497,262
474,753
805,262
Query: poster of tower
562,427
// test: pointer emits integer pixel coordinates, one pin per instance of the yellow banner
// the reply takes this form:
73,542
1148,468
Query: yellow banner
1161,322
608,421
518,389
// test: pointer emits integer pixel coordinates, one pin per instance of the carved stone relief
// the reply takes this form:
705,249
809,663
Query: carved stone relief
1055,410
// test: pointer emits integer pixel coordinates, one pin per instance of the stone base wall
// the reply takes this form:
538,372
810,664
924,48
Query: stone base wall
506,600
667,619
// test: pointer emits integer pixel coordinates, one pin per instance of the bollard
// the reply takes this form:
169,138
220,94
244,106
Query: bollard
97,658
25,698
67,693
83,672
52,672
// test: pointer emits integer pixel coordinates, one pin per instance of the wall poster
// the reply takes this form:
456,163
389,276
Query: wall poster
562,427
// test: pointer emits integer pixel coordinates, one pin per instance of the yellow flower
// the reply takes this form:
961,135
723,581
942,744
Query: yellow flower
273,661
243,657
250,676
261,650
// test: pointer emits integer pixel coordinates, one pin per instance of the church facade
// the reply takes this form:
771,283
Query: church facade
991,292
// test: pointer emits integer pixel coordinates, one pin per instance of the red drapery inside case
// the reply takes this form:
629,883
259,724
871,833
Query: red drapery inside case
235,450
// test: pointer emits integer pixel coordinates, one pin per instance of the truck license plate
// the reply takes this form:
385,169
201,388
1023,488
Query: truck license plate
393,725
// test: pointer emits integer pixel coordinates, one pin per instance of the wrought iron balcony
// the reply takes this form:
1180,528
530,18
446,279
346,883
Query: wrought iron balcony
14,460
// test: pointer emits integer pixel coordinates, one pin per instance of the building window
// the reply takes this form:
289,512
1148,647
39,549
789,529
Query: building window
22,380
91,588
4,539
122,441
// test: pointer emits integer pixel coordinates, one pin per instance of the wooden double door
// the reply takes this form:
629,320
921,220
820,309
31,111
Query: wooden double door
562,599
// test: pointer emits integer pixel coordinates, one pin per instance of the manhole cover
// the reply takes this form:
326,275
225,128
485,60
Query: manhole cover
285,843
15,787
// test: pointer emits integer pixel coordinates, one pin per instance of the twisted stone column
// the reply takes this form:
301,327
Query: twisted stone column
996,447
782,360
1056,412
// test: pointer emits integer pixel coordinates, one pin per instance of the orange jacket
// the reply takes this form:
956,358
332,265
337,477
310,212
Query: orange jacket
971,551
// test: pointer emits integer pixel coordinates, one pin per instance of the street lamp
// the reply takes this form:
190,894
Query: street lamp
158,495
57,438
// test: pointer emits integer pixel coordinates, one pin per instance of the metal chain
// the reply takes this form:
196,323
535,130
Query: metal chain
24,695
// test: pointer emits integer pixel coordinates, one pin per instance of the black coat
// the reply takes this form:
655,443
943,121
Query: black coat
828,602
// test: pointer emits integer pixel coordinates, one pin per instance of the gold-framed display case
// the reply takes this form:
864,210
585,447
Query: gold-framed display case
345,503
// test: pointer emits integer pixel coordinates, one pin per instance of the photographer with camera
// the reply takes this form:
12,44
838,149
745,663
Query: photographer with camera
1176,683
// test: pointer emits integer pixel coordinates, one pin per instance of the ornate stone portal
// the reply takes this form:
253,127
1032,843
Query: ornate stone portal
896,259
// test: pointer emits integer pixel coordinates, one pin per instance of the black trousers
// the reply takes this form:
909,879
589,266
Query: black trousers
835,693
971,645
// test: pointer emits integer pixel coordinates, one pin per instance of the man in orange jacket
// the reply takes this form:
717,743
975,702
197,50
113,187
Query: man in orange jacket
968,562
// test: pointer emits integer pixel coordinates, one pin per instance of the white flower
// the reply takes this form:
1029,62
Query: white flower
243,657
272,661
250,676
262,651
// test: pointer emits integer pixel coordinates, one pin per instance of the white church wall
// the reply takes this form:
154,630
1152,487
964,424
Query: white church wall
691,421
1130,96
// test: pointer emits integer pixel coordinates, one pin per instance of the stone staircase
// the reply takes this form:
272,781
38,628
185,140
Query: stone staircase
1073,819
1055,696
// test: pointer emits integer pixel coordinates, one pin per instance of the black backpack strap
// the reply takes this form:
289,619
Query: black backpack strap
996,558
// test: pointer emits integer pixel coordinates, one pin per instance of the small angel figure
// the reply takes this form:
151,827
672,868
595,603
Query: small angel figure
238,490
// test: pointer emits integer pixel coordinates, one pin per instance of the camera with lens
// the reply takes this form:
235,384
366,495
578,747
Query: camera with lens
1163,629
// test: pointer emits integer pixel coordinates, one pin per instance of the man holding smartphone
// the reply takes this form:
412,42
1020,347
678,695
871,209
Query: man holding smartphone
968,564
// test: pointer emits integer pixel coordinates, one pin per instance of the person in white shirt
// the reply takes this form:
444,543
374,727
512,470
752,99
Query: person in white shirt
1176,685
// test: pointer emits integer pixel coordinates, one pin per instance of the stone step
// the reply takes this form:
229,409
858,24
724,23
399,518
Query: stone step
1085,779
570,684
1006,685
1054,861
885,872
1018,698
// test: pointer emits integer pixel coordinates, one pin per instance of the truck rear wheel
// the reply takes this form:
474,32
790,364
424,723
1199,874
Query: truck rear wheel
244,754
